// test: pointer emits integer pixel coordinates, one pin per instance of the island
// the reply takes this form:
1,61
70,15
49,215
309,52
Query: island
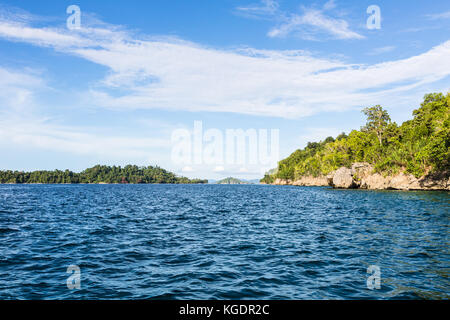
381,155
231,180
99,174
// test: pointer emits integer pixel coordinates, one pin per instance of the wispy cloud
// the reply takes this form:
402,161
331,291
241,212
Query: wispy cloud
381,50
37,132
309,25
263,9
172,74
329,5
21,125
17,89
317,134
313,22
437,16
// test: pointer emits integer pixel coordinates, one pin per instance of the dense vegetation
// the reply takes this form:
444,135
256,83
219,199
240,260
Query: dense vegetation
98,174
418,146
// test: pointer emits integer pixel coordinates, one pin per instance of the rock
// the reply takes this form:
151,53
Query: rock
361,170
282,182
435,181
343,178
361,175
329,178
311,181
375,181
404,181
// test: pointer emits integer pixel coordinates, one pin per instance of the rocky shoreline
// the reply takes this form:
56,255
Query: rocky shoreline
362,176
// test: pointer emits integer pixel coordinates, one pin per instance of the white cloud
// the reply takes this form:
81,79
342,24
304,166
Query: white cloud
437,16
381,50
265,8
329,5
171,74
33,132
21,127
317,134
310,23
17,89
187,169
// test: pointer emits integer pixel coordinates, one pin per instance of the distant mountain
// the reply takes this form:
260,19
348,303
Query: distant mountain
231,180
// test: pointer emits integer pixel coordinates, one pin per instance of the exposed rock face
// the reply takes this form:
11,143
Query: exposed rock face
303,181
282,182
374,181
361,175
436,181
329,178
311,181
360,170
404,182
343,178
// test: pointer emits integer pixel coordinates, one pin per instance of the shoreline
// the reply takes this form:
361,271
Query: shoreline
361,175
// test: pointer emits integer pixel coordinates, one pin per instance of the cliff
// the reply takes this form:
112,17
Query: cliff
361,175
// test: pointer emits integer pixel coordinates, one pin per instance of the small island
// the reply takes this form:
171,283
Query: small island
98,174
231,180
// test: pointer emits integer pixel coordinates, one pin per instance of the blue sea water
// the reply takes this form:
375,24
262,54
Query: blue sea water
222,242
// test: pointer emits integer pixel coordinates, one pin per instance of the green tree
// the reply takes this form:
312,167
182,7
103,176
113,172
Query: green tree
377,121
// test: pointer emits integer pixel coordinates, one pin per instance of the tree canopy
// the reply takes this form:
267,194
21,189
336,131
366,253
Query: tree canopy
98,174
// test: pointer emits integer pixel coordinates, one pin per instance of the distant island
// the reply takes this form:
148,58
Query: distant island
99,175
231,180
381,155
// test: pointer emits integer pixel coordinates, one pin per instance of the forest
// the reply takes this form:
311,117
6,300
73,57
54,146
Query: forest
417,146
98,174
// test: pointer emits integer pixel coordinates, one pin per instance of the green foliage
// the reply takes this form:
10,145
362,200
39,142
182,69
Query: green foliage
377,121
418,146
268,178
97,174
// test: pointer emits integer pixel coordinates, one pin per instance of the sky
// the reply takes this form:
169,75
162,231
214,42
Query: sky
115,90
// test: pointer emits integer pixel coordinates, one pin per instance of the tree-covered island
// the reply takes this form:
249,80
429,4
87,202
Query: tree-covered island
417,148
99,174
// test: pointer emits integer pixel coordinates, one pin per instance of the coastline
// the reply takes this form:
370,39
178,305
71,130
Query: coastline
362,176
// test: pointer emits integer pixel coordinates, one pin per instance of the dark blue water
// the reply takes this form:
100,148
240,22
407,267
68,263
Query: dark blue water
221,242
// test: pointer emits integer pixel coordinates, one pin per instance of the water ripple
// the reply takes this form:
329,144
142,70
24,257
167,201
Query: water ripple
222,242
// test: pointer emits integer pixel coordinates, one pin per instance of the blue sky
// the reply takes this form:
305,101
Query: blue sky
114,91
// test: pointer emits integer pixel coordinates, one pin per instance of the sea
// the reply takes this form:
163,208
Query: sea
222,242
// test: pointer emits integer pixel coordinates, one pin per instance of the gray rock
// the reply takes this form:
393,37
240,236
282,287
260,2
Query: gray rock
343,178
